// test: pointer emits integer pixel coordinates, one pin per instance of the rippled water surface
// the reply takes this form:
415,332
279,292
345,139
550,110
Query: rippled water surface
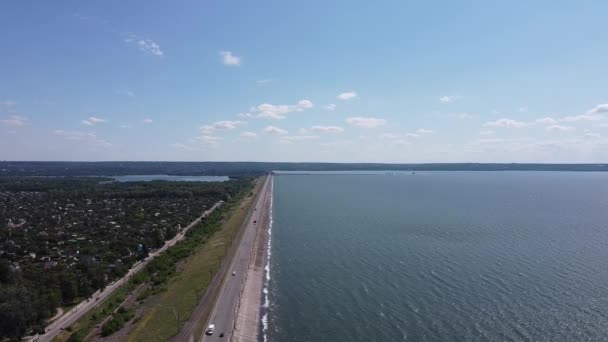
442,256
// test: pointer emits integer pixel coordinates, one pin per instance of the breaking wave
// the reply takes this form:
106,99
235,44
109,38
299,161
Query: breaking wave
266,302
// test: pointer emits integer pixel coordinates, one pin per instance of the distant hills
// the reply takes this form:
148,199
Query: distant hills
36,168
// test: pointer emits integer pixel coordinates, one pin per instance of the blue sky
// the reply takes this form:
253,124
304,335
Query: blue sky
344,81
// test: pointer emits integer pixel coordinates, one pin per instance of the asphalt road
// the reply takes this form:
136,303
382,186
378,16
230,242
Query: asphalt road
98,297
224,310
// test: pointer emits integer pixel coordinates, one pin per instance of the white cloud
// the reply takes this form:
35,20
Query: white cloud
275,130
264,81
149,46
402,138
198,143
278,112
602,108
365,122
504,122
229,59
87,137
221,126
523,109
488,132
91,121
347,95
249,135
559,128
327,129
305,104
293,138
208,140
244,115
448,98
145,45
147,121
582,117
14,121
330,107
547,120
592,115
424,131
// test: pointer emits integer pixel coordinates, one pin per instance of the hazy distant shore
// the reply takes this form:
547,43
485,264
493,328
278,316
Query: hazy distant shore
230,169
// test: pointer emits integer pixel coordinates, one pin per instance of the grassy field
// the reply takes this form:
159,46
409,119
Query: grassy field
175,305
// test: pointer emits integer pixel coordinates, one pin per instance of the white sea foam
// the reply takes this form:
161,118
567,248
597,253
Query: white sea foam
266,303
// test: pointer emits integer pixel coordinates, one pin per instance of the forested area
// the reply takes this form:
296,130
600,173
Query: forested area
30,168
64,238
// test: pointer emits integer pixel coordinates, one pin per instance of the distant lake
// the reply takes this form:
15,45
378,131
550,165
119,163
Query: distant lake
444,256
147,178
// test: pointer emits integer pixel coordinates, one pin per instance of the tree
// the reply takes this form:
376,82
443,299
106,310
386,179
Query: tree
84,287
16,310
68,286
5,271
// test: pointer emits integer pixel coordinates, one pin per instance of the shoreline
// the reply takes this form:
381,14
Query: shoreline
265,289
250,324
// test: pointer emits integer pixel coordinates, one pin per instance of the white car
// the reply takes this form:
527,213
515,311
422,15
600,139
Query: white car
210,329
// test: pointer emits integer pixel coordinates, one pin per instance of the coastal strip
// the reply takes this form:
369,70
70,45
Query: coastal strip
220,297
250,323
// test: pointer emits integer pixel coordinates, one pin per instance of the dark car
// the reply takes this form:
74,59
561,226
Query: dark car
222,335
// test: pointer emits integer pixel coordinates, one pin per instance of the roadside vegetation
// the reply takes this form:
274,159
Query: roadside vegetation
162,272
167,310
117,321
87,323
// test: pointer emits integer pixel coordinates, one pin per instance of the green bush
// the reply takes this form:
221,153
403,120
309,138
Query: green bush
117,321
78,336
